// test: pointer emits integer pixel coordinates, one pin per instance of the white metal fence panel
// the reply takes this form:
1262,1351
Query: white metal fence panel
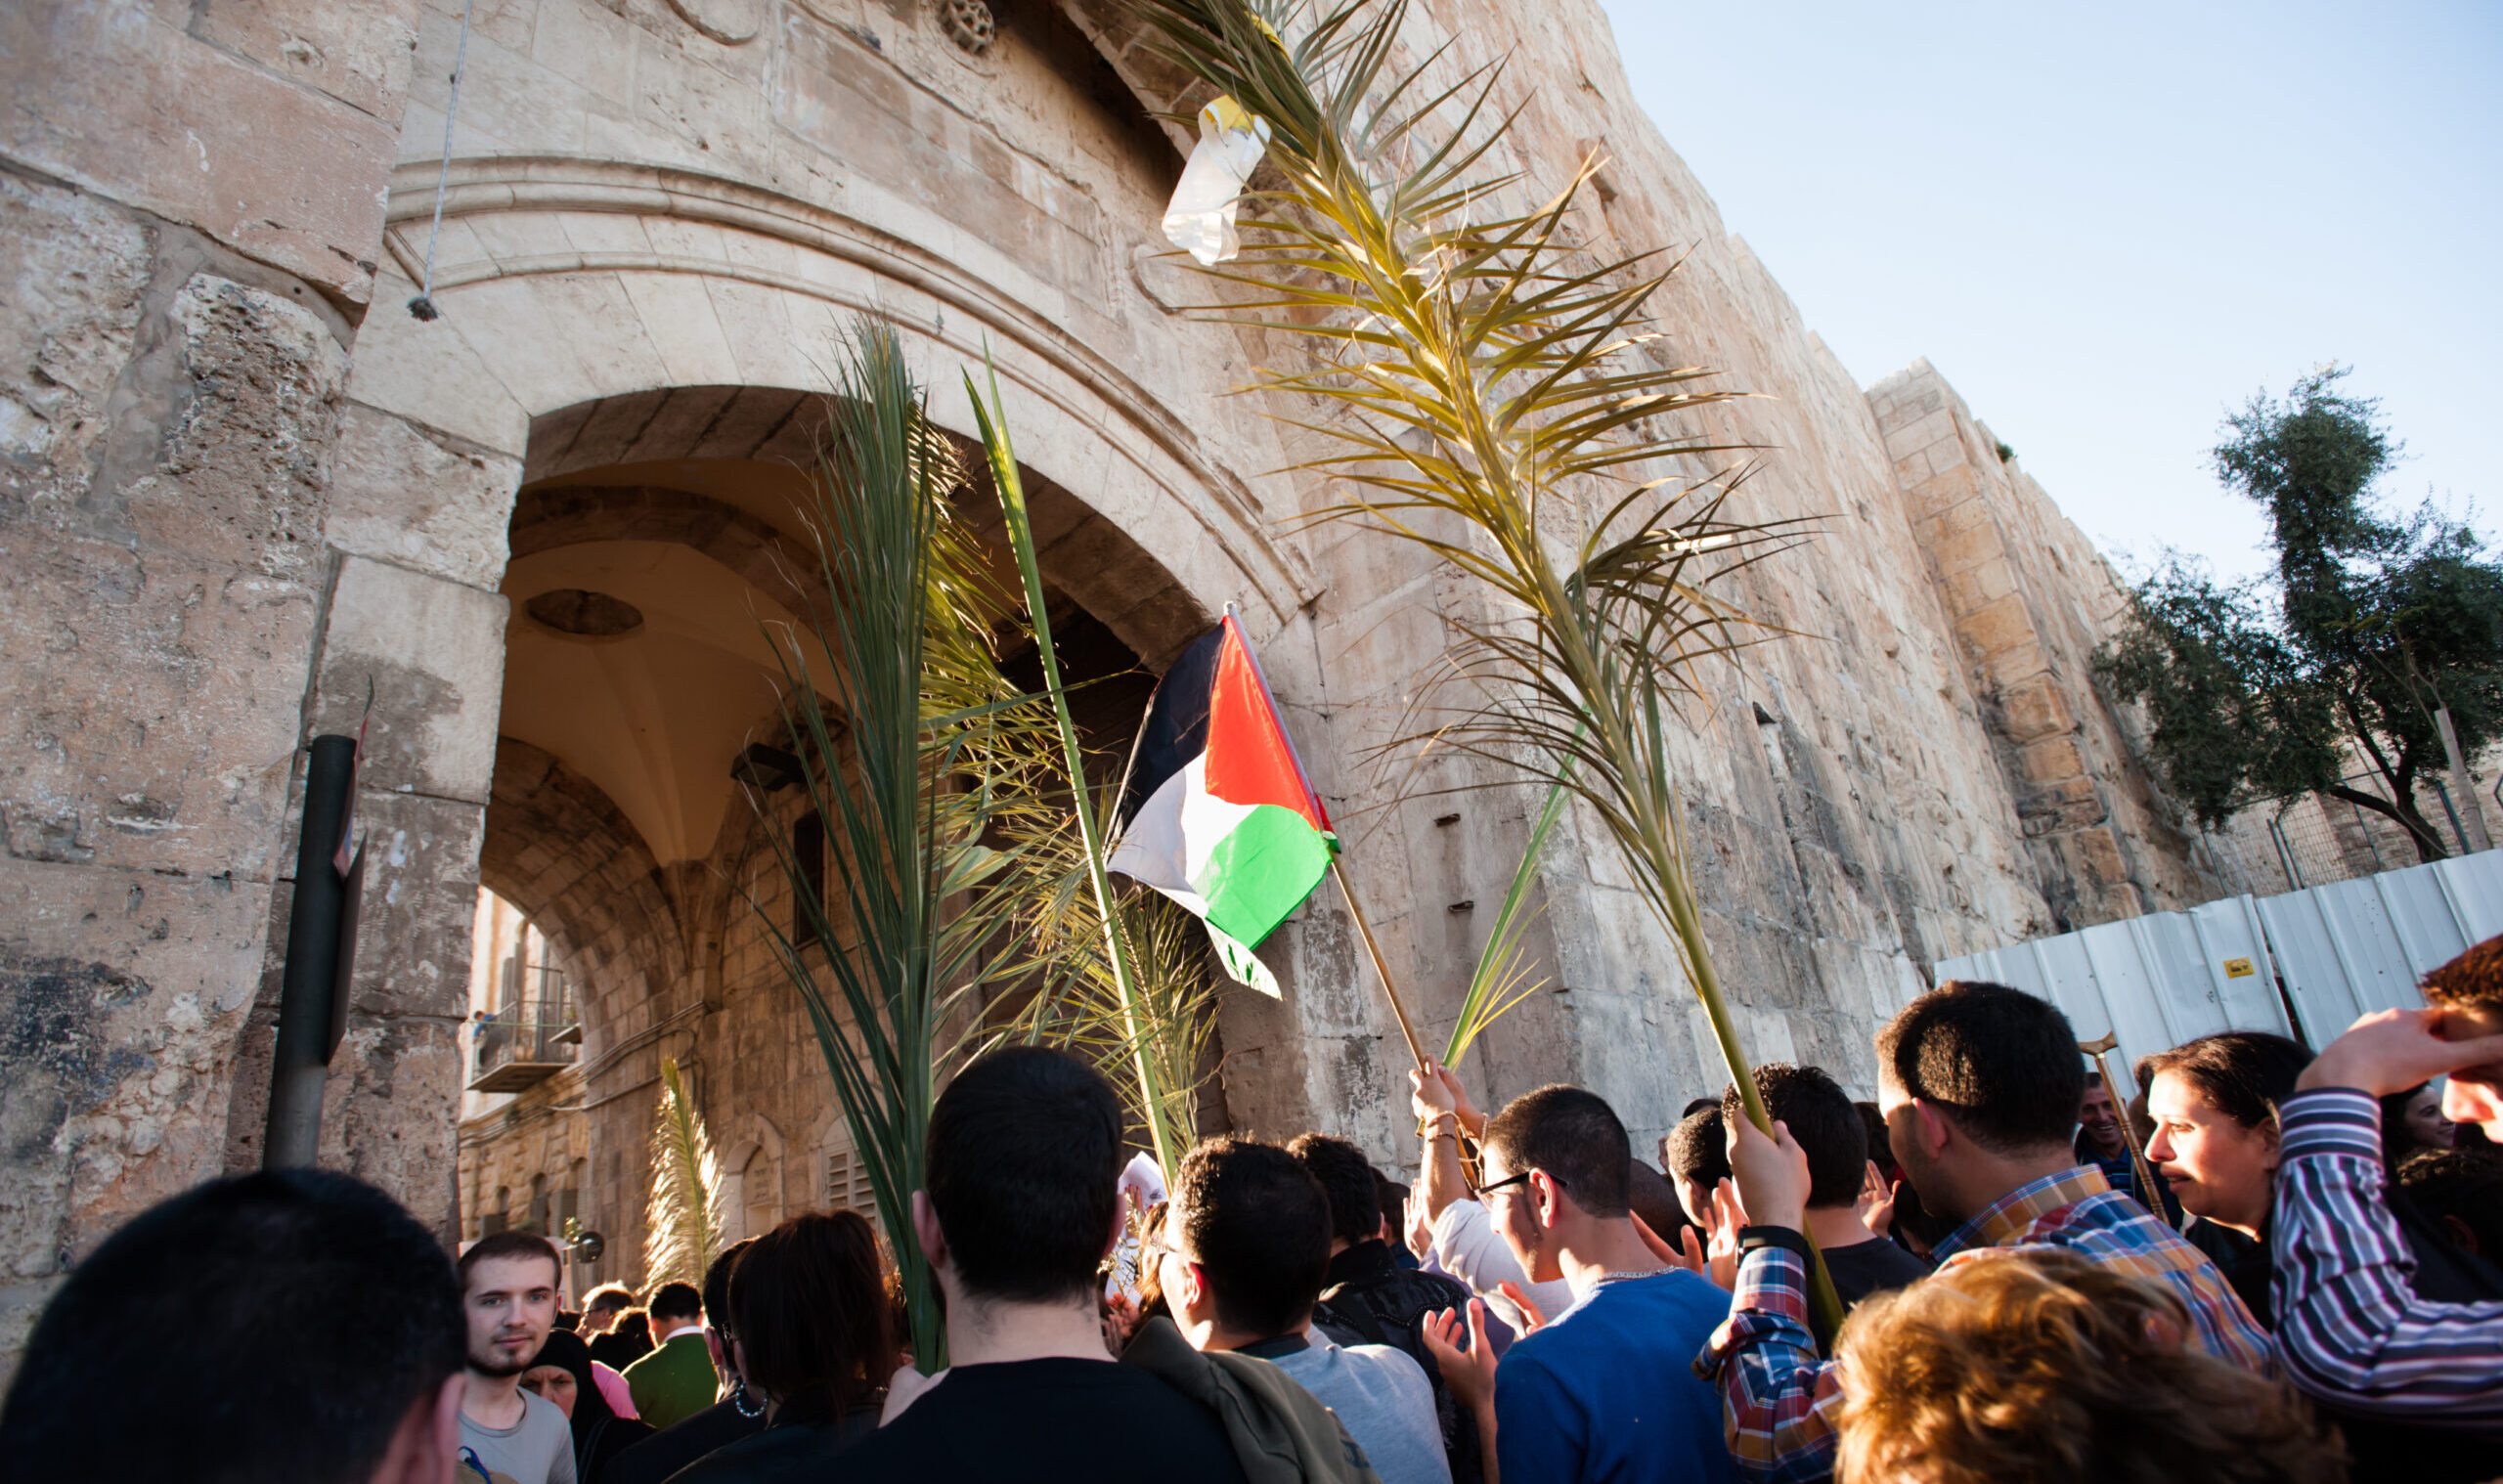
2340,950
2357,946
2153,982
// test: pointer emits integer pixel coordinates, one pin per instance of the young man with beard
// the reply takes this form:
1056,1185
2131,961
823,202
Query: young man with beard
1980,1085
509,1297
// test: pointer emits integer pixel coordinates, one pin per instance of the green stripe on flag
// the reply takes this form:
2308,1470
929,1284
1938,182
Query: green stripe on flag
1261,871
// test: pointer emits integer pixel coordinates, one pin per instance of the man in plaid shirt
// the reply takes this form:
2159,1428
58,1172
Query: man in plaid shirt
2353,1330
1980,1085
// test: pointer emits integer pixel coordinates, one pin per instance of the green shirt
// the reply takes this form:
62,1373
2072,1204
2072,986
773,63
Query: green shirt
675,1382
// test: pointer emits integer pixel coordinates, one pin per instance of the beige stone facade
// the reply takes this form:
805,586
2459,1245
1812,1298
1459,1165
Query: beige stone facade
241,487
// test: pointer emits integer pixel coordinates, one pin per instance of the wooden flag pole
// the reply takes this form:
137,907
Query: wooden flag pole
2137,1157
1380,969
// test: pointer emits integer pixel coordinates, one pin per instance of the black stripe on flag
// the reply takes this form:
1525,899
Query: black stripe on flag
1176,728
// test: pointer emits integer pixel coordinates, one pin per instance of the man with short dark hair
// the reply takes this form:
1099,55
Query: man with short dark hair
1020,1204
1820,1115
1369,1299
677,1380
1603,1391
2351,1330
1696,1158
1246,1242
194,1342
1459,1237
718,1426
1979,1084
509,1297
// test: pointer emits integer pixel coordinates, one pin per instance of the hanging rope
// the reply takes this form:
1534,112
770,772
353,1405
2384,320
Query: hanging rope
423,306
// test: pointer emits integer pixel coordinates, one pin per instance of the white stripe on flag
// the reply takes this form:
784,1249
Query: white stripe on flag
1173,834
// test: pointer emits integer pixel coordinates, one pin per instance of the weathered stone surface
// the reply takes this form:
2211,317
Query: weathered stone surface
429,654
120,995
109,95
420,501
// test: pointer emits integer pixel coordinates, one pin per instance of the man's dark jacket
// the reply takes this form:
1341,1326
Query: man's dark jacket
1370,1299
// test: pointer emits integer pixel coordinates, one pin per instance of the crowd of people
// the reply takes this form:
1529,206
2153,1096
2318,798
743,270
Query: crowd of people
2309,1293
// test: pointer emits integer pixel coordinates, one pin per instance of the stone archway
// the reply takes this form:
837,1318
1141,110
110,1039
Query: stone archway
672,517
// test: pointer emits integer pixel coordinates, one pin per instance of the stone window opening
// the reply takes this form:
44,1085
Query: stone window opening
807,848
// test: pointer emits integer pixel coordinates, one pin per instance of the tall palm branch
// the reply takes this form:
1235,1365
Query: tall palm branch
682,1215
914,749
1478,386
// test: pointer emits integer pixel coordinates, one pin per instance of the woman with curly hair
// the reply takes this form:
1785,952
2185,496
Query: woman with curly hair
2036,1364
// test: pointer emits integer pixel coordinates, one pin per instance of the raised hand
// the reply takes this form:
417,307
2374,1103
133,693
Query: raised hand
2392,1050
1533,1319
1463,1355
1429,1093
1875,1206
1471,1121
1771,1173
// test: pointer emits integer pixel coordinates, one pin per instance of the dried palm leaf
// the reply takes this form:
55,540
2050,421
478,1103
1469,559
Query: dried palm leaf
682,1219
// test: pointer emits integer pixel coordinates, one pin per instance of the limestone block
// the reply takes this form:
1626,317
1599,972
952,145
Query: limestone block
432,374
246,463
151,706
357,51
2035,707
433,650
420,902
78,270
1996,629
107,96
419,501
121,993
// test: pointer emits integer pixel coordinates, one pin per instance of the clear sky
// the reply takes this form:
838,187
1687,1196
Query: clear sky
2107,224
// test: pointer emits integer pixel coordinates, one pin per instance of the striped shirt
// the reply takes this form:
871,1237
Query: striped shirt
1780,1403
2348,1322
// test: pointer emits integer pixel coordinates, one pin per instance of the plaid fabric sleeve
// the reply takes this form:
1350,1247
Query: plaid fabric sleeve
1779,1403
2349,1325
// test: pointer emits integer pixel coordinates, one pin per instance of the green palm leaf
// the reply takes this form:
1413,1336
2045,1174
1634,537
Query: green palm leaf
915,751
1480,387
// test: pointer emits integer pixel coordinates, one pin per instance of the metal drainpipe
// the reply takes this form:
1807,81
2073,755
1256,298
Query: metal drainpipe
306,1036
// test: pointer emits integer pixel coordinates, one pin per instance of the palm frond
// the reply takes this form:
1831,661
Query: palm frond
914,749
1145,1030
1503,978
683,1218
1479,386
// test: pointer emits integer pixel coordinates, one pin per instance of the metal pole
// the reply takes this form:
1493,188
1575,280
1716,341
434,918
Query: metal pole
293,1137
2148,1194
2476,838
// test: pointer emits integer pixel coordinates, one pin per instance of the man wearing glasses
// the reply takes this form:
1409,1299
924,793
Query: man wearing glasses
1602,1390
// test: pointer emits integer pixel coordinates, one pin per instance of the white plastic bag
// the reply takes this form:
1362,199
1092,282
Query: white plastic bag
1199,219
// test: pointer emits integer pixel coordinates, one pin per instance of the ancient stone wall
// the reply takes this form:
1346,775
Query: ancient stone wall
243,488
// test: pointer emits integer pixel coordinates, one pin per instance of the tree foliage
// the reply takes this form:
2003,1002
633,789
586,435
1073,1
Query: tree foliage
2368,628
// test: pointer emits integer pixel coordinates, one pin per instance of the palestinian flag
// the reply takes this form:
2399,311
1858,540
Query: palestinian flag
1217,812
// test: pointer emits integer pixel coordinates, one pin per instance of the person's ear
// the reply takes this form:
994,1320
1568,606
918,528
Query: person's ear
1549,1196
1933,1127
926,1230
1120,1225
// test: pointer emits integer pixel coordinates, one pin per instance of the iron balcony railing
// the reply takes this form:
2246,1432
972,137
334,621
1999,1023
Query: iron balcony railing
531,1038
